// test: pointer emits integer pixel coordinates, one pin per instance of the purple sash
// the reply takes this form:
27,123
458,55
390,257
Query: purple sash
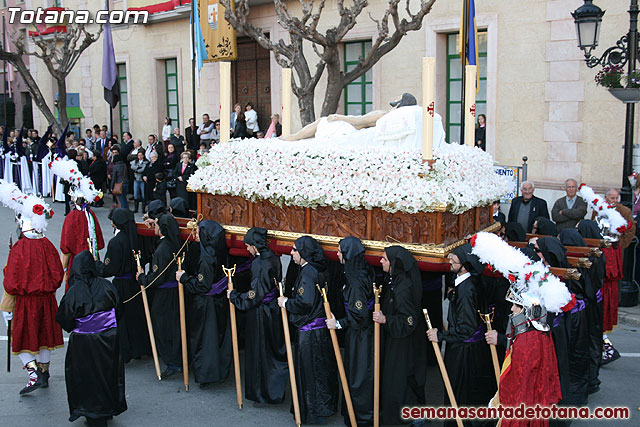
169,285
556,320
599,296
270,296
370,305
318,323
96,322
580,305
478,335
128,276
218,287
222,284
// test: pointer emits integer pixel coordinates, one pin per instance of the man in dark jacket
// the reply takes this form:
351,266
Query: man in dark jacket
568,211
526,208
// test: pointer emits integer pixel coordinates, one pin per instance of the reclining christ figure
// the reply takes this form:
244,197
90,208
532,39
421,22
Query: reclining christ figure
399,129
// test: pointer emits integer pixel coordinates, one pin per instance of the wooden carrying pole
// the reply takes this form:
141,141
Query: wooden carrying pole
183,329
376,359
336,350
487,319
470,105
229,272
147,313
292,373
443,370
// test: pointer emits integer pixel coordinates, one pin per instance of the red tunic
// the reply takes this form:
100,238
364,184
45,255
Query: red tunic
532,376
75,232
613,273
32,274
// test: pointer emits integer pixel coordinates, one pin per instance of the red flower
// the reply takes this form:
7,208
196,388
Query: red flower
511,278
50,213
490,267
528,276
581,185
72,170
38,209
97,199
570,304
473,240
595,201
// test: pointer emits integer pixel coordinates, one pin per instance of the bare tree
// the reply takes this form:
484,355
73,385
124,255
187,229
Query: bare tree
304,29
60,52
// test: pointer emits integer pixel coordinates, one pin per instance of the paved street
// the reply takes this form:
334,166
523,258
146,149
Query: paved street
154,403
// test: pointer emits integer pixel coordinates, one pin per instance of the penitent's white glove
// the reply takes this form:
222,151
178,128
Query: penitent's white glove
7,316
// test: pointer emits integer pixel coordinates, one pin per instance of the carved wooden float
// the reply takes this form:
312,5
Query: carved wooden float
429,236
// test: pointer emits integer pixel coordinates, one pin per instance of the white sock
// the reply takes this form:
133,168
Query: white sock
44,356
26,358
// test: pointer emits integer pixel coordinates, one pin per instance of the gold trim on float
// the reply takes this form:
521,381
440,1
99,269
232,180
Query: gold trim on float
431,250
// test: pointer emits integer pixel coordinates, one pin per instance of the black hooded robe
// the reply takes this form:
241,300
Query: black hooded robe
94,369
266,370
209,324
358,325
120,264
569,332
165,307
315,366
467,356
404,347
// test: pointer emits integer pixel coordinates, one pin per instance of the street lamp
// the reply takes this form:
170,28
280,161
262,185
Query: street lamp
588,18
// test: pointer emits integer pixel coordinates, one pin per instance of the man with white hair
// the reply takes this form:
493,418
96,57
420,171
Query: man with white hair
526,208
569,210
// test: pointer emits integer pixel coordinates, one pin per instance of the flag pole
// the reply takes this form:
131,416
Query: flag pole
193,59
4,71
464,45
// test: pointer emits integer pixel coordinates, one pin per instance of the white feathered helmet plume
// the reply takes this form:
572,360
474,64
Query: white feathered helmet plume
610,221
33,212
81,185
531,283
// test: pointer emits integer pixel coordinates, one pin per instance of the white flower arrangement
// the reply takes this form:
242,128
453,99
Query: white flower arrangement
301,174
530,281
617,222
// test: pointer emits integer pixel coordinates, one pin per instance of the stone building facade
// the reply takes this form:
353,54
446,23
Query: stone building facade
539,97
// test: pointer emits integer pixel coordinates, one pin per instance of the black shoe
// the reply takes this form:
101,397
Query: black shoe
32,386
259,405
171,371
45,378
135,208
205,386
614,356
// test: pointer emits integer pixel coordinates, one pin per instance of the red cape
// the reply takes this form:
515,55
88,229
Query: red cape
75,232
532,377
33,273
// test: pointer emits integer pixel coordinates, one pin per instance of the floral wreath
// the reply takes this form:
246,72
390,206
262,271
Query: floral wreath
68,171
530,282
618,224
29,206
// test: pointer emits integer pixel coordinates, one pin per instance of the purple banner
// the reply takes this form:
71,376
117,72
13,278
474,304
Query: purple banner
96,322
318,323
221,285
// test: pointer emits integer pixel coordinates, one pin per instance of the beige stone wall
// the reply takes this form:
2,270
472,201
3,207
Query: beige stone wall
542,101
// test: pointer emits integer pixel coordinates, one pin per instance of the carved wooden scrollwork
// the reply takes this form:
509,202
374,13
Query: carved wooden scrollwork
272,217
328,221
228,210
